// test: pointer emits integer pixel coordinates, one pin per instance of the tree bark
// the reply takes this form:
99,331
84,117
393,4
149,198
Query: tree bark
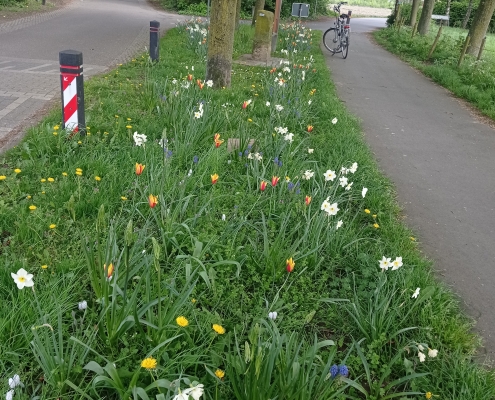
260,5
221,42
414,11
424,20
237,14
468,14
480,24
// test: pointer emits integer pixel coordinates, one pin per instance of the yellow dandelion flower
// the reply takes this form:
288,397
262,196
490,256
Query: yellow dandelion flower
51,180
193,301
128,126
219,373
32,207
250,120
55,128
79,142
219,329
123,198
2,177
78,173
64,173
42,180
374,215
97,178
149,363
367,211
17,171
53,226
43,192
128,119
428,395
376,225
116,116
55,133
44,266
105,133
182,321
28,196
78,169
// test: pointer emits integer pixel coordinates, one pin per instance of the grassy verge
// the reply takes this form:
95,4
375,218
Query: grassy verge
253,262
473,80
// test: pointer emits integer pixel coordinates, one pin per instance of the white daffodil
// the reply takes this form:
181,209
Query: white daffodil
9,395
209,83
223,217
333,209
344,170
384,263
329,175
278,107
195,392
397,263
416,293
334,121
189,173
353,168
325,205
310,151
272,315
432,353
267,104
343,181
339,224
22,279
286,69
289,137
364,191
420,347
308,174
139,139
349,186
174,81
258,157
181,396
309,102
421,356
82,305
15,381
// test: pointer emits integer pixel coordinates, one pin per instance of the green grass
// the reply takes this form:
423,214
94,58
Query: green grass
217,253
19,7
473,80
372,3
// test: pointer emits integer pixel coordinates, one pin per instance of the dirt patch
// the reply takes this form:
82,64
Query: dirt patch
360,11
31,7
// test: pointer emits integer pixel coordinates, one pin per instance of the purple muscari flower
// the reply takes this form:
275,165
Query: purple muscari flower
270,90
169,153
246,152
280,163
298,191
164,98
290,186
240,154
343,370
249,147
275,160
334,370
195,159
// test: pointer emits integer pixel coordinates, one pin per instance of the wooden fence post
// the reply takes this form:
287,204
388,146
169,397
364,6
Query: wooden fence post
434,45
463,52
481,48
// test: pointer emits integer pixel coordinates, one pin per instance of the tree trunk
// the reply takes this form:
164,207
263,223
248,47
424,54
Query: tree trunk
414,11
237,14
260,4
468,14
447,12
424,20
221,42
478,28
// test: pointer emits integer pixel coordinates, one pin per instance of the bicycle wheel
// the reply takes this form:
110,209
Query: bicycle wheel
346,36
330,40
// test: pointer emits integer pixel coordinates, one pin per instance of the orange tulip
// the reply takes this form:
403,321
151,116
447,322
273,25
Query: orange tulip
189,77
217,140
310,128
262,186
275,180
214,179
109,270
139,168
244,105
152,201
307,200
201,85
290,265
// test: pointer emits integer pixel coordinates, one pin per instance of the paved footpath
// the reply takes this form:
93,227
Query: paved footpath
107,32
441,158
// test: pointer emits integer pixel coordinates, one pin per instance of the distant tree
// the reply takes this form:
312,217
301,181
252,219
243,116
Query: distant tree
426,13
468,14
480,24
238,14
221,42
259,5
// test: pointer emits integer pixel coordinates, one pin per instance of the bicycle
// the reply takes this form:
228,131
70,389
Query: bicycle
340,34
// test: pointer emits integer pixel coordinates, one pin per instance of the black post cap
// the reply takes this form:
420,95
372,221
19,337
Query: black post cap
154,24
70,57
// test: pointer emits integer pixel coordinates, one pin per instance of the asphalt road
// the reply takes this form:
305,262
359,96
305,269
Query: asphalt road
440,157
107,32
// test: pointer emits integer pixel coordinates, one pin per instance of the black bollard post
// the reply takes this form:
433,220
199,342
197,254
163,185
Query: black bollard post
72,84
154,31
